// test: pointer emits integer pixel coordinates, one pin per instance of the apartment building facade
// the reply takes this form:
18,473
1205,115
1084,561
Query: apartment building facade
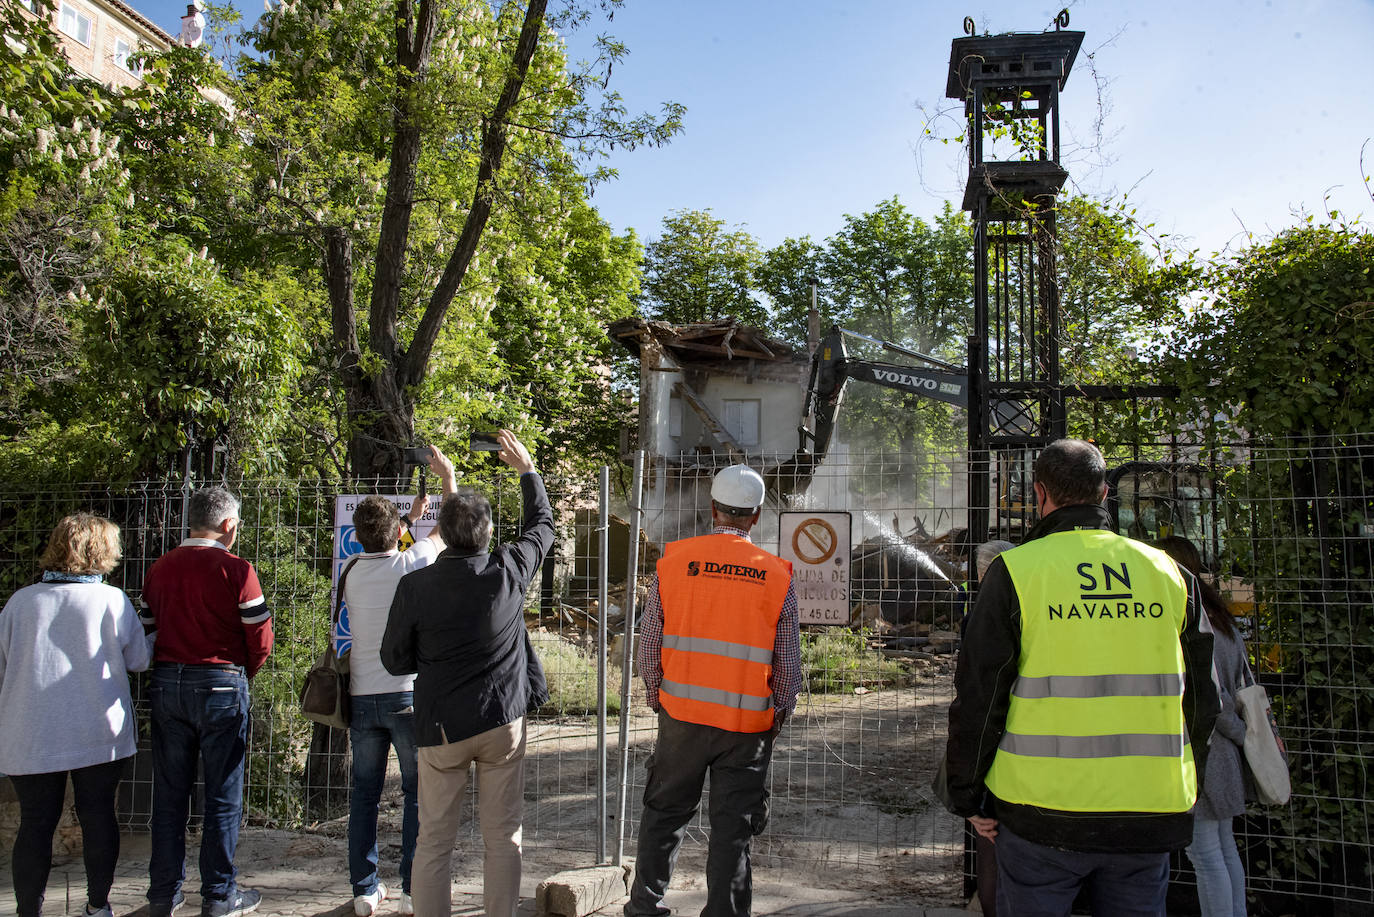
100,36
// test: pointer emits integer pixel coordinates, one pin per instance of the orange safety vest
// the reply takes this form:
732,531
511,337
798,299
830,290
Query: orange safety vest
721,597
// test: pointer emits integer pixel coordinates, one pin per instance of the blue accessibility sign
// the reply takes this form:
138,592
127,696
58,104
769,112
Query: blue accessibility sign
348,542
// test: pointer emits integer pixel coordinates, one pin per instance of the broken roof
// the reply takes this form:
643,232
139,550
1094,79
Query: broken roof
697,342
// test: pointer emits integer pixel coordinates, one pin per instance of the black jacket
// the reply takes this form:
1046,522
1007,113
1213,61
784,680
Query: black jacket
459,625
983,679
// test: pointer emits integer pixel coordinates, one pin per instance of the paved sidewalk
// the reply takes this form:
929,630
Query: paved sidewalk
306,875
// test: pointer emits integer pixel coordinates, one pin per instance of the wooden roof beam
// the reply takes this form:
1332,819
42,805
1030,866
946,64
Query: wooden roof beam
714,426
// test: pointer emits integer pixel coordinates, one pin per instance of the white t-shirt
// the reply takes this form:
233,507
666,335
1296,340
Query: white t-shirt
368,591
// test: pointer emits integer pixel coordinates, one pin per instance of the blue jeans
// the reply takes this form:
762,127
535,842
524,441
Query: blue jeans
199,713
1038,881
1220,875
378,722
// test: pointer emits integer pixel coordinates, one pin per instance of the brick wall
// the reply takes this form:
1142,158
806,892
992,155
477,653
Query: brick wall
96,56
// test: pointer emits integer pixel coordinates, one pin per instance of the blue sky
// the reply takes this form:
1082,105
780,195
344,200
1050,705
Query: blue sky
1220,117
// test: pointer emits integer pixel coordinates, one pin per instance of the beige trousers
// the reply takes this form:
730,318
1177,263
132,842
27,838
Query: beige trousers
500,757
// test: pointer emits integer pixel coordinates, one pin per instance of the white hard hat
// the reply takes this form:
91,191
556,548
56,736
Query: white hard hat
738,487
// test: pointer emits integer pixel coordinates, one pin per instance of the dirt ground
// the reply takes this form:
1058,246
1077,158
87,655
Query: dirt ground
851,805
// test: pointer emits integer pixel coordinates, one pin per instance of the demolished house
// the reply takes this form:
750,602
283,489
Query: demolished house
711,393
715,393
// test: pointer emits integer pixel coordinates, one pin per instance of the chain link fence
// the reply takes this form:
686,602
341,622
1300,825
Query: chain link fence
850,775
1287,530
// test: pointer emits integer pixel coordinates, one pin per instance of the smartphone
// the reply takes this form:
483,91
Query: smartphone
416,455
484,442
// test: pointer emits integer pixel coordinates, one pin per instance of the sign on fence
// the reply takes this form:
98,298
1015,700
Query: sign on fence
346,546
818,545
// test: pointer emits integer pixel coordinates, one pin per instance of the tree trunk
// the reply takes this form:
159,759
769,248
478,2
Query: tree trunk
383,418
328,773
385,424
381,414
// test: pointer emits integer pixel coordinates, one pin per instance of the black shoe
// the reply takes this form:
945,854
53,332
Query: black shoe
240,901
164,908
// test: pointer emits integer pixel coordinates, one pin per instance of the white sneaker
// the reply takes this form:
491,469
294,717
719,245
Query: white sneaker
405,907
366,905
105,911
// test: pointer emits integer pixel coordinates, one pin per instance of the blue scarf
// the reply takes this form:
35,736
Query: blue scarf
57,576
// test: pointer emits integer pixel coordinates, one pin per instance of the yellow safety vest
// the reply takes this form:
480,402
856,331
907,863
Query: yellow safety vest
1096,716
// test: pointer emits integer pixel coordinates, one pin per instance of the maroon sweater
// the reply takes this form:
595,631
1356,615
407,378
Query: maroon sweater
207,607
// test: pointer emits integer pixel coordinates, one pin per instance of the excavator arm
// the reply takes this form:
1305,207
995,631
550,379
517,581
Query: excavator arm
831,370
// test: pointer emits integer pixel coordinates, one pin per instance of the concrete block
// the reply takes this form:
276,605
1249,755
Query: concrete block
578,892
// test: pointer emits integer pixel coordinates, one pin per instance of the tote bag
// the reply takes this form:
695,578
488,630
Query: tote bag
324,695
1264,751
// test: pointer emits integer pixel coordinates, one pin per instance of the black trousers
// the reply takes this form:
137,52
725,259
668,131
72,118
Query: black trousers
40,809
987,874
738,765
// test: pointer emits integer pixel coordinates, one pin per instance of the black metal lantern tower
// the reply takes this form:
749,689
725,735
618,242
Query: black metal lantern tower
1010,86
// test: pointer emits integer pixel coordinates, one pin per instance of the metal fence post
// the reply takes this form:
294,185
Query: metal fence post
602,575
186,482
627,660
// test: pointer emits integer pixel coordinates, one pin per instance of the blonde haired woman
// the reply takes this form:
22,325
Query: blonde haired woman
67,644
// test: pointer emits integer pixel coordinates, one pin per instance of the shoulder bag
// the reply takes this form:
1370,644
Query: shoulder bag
1265,754
324,695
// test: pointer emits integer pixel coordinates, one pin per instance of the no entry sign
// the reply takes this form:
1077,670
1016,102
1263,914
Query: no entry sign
818,546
